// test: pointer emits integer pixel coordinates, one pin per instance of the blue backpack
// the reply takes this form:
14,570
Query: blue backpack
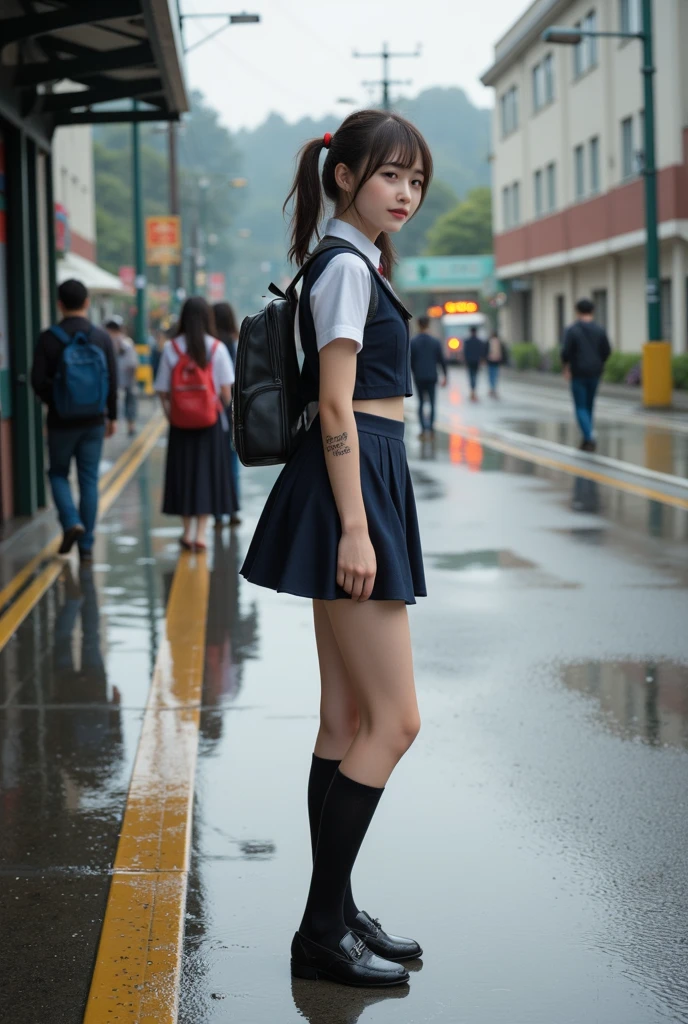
82,380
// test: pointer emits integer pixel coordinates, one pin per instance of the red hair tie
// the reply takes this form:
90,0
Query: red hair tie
327,139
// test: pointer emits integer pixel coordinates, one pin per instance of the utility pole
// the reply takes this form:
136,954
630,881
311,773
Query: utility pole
139,256
386,81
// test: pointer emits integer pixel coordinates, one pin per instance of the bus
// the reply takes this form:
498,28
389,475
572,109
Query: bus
456,328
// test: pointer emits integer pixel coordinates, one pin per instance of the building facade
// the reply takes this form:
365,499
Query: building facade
567,171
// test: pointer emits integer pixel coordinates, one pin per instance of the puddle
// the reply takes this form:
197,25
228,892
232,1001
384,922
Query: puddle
594,536
426,487
646,701
470,561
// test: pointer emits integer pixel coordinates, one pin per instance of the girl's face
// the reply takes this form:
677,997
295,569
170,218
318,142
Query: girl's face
387,200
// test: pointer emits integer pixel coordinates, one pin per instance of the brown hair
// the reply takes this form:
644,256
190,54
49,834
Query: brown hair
365,141
225,321
196,320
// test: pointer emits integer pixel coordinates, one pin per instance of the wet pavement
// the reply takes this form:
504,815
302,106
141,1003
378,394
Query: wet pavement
534,839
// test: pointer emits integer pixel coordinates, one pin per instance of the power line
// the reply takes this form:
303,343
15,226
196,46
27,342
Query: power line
386,81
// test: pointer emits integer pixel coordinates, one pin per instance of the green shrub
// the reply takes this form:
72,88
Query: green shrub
679,371
619,365
552,360
525,356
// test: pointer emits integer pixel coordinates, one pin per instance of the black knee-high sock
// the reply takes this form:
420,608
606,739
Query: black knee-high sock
346,814
322,772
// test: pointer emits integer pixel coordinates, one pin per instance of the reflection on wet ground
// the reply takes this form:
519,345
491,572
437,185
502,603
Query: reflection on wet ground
470,561
644,701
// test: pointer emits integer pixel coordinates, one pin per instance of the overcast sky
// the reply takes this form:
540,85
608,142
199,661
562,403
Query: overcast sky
298,61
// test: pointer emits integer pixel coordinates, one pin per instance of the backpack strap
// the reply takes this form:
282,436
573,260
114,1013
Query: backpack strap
176,348
61,334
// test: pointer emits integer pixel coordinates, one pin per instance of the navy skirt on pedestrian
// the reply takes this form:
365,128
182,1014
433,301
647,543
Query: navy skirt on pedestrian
295,546
198,479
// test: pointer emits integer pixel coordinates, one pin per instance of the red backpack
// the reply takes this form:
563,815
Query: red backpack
193,399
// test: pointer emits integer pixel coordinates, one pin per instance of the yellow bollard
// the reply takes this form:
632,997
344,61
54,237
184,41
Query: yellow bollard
144,371
657,385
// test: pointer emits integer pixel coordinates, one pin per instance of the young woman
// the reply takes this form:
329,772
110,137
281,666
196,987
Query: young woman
228,332
197,477
340,525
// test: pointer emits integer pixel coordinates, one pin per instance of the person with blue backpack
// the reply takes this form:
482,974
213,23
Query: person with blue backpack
75,374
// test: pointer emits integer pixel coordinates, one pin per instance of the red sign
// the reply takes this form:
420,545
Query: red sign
163,240
216,287
127,276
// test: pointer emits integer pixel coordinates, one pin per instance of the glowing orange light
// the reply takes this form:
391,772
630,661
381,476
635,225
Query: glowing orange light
435,312
450,307
454,343
455,448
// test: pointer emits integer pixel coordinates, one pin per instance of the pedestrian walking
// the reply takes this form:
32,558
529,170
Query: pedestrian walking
194,375
228,333
496,357
473,353
585,350
340,524
426,356
127,365
74,373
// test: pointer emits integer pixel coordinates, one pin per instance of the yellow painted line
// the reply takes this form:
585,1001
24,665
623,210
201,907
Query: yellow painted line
568,467
17,612
17,582
138,965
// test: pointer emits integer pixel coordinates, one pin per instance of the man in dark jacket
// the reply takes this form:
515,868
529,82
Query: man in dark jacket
585,350
426,356
79,438
474,352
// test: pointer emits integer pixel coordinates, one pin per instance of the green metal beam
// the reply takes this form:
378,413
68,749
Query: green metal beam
35,409
115,117
28,26
59,101
94,63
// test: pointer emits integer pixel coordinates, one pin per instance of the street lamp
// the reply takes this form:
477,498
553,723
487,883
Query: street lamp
657,353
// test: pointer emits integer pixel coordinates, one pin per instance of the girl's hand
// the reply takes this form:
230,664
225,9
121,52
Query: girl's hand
356,564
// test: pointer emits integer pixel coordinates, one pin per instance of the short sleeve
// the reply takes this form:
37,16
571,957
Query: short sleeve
223,371
340,299
163,378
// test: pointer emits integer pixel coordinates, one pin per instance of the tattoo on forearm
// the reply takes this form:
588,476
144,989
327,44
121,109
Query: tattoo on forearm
337,445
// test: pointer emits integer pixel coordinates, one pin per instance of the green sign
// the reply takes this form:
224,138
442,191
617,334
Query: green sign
445,273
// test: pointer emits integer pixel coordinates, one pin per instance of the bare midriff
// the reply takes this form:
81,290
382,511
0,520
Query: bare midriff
390,408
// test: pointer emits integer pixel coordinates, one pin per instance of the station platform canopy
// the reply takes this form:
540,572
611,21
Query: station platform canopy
97,280
84,61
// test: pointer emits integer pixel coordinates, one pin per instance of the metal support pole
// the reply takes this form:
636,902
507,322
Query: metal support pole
139,257
653,297
172,142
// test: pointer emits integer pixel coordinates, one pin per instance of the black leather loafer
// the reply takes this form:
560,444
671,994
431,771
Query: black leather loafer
352,964
391,947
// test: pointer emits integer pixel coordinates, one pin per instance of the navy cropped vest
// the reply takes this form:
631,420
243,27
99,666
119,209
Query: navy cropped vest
383,366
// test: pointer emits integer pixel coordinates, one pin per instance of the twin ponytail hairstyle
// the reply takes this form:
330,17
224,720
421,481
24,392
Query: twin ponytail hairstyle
365,141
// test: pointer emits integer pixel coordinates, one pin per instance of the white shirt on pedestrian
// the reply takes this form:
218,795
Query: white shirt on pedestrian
341,296
223,371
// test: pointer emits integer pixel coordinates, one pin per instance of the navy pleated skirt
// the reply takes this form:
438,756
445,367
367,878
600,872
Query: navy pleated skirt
294,548
198,479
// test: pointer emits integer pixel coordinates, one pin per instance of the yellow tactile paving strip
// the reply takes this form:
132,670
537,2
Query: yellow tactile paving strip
136,976
111,486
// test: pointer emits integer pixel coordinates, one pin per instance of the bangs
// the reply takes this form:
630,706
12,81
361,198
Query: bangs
397,141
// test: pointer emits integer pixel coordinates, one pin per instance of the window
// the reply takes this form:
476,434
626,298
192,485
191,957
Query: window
666,310
509,111
543,83
627,154
585,53
539,199
551,187
506,207
599,301
595,165
516,203
629,16
579,171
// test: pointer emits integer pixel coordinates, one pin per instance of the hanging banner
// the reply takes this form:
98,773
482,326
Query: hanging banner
163,241
216,287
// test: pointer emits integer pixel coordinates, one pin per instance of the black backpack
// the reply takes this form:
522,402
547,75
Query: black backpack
268,406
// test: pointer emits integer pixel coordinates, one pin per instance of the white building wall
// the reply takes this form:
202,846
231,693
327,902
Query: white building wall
73,178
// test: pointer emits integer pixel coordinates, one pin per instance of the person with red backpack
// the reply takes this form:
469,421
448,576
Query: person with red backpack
194,381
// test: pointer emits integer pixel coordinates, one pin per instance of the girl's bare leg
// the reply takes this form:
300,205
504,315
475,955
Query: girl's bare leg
339,719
